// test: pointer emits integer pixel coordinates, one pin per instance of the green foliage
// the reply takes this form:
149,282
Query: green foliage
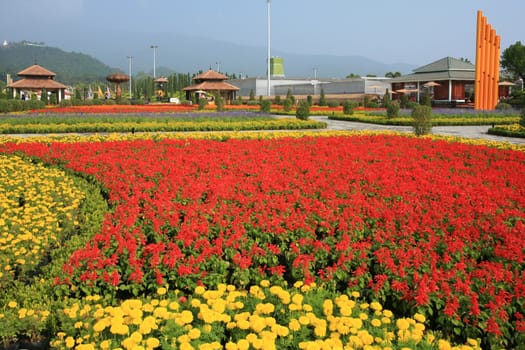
266,106
513,59
426,99
348,107
310,100
287,104
502,106
322,98
422,120
386,98
392,109
202,104
290,96
522,118
303,110
44,97
352,75
219,103
403,101
393,74
277,100
333,104
252,96
53,99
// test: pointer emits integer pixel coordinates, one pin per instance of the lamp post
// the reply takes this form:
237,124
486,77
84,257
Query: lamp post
218,64
130,93
154,47
268,46
521,82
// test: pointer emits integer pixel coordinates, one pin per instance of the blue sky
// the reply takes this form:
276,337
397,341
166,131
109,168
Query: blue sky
415,32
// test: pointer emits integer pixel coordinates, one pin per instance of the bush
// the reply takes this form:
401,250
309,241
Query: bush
522,118
403,101
392,109
202,104
502,106
277,100
310,100
348,107
219,104
252,103
322,98
422,120
266,106
333,104
287,105
303,110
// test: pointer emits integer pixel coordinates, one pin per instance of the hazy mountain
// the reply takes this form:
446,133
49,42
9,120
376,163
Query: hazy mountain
70,67
187,54
174,53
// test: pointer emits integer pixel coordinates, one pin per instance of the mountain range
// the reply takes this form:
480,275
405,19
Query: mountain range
179,53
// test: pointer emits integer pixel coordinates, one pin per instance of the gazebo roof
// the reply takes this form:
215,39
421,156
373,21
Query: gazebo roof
210,75
36,83
36,70
446,64
212,86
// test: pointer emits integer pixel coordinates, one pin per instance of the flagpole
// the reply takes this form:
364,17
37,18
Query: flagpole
268,46
130,93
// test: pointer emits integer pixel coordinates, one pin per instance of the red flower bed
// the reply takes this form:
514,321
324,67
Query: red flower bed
108,109
414,223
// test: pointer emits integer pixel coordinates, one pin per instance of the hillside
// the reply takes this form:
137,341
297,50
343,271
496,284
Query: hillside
70,67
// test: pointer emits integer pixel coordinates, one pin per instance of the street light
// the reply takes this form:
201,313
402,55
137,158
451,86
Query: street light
521,82
154,47
130,93
268,45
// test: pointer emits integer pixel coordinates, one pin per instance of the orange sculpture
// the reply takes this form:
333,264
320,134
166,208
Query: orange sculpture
487,65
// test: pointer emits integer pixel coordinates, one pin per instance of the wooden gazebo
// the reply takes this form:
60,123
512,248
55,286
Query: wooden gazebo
211,82
36,79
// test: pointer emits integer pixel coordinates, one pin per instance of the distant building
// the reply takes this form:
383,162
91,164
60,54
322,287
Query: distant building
36,79
449,80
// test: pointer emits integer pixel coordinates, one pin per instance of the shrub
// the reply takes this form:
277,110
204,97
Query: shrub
290,96
522,118
333,104
322,98
310,100
426,99
277,100
265,106
502,106
219,104
348,107
422,119
392,109
403,101
303,110
252,96
202,103
287,105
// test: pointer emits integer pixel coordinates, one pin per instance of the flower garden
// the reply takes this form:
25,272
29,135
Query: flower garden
262,241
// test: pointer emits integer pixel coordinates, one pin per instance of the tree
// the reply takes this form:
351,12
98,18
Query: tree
322,98
352,75
393,74
513,60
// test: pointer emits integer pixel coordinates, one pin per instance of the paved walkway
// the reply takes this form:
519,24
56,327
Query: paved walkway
471,131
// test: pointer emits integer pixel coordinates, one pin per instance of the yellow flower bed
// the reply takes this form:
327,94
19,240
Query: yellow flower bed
70,138
263,317
36,204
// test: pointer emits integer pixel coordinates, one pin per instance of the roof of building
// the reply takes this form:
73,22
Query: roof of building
211,86
447,68
37,84
36,70
210,75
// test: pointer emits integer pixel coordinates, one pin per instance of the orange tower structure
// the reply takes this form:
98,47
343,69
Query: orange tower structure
487,65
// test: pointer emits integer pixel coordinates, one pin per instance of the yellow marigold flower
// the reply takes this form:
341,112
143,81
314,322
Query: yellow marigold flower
243,344
12,304
388,313
386,320
297,299
70,342
199,290
355,294
304,320
100,325
307,307
363,316
264,283
119,328
375,322
195,302
419,317
294,325
152,343
298,284
186,346
320,331
328,307
194,333
183,339
173,306
402,324
86,347
376,306
230,346
105,344
444,345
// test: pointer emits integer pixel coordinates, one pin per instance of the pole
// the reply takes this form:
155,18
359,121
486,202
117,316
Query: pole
268,45
154,47
130,93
